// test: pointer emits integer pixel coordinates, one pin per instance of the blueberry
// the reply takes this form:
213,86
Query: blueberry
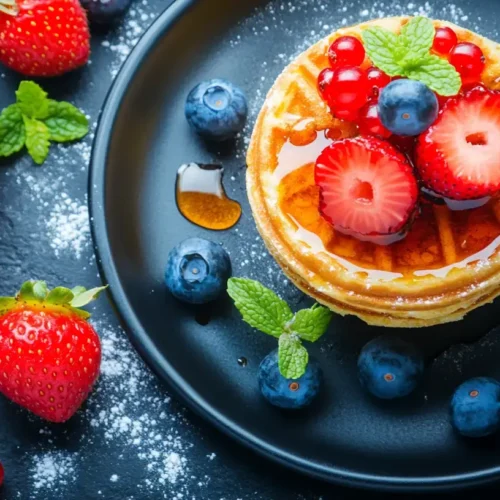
216,109
390,368
197,271
105,11
288,393
407,107
475,407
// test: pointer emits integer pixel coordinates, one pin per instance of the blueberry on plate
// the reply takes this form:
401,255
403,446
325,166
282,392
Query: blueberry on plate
389,367
289,393
197,271
407,107
475,407
105,11
216,109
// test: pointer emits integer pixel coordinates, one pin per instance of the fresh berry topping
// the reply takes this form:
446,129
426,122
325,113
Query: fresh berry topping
216,109
348,89
367,189
197,271
459,156
369,122
407,107
346,51
40,41
405,144
468,60
324,81
444,40
105,11
390,368
475,407
377,80
348,115
50,353
442,100
289,393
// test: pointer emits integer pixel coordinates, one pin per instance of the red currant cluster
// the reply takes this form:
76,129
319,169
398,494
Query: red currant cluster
351,92
467,57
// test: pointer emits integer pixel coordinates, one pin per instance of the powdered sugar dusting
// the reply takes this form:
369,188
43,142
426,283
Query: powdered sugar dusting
68,226
53,469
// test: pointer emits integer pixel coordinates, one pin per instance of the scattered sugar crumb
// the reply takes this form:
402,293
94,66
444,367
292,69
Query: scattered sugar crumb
53,469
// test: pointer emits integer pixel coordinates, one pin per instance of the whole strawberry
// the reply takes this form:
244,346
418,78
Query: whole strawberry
43,37
49,354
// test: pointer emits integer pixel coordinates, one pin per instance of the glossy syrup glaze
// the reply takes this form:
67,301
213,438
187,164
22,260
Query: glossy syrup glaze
201,197
439,240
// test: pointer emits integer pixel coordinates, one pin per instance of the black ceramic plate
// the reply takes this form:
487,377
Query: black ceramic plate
143,138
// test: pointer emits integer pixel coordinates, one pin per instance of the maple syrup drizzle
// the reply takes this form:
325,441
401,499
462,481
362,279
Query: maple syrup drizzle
201,198
444,237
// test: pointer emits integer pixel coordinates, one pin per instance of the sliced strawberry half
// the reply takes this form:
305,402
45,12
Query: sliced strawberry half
459,156
368,189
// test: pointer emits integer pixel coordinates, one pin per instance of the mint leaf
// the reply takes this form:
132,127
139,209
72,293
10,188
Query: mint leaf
65,122
382,47
37,139
311,324
12,131
60,296
416,37
260,307
292,356
32,100
83,298
438,74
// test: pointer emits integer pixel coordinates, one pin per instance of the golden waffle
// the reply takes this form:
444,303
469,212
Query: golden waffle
449,263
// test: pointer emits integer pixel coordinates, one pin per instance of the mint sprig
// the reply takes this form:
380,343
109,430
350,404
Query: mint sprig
408,55
35,120
262,309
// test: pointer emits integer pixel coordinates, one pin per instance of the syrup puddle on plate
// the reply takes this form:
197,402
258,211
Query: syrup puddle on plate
201,198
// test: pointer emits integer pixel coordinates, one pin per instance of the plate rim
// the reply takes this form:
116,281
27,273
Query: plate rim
146,348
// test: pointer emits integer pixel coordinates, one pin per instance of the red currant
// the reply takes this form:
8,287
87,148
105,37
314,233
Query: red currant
444,40
369,122
324,81
348,89
442,100
346,51
468,60
377,80
349,115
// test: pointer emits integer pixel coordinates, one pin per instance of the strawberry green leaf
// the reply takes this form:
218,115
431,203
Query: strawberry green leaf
416,37
60,296
438,74
84,298
77,290
66,122
40,290
12,130
32,100
381,45
37,139
311,324
260,307
292,356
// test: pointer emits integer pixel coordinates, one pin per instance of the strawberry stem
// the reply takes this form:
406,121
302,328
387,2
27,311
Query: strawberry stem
9,7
